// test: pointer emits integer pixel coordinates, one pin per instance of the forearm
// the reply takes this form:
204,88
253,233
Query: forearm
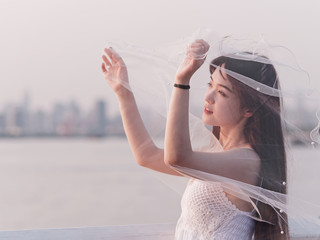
177,138
141,144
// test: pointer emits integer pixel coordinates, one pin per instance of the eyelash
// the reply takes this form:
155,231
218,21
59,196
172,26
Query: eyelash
219,91
222,93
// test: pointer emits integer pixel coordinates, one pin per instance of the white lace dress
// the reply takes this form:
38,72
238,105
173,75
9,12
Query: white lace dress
208,214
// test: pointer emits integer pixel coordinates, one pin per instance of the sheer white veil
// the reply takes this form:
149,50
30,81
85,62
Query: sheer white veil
151,77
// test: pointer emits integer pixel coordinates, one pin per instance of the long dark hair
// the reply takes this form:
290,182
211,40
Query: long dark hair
263,131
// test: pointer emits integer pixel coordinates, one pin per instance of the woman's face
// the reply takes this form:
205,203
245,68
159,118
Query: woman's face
221,103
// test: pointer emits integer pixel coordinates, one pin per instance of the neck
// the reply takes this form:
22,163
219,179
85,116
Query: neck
231,137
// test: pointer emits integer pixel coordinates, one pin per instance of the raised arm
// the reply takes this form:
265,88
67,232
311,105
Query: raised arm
145,152
235,164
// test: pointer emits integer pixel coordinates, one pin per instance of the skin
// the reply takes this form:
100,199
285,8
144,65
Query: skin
145,152
221,108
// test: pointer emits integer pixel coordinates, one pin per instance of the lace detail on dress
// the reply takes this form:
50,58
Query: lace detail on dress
207,213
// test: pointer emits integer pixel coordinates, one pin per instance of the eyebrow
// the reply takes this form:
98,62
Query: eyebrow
221,85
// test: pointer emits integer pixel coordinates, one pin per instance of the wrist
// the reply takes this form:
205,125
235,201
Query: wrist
184,81
124,93
182,86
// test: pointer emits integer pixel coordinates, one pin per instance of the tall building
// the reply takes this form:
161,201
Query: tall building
2,124
97,120
101,117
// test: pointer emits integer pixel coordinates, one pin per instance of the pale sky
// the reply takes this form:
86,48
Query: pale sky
53,48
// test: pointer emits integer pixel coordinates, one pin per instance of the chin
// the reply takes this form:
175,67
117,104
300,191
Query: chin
206,121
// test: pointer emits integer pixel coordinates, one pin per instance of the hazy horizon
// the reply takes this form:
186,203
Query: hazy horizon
52,49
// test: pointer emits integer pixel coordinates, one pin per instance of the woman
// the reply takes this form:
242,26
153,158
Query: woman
248,127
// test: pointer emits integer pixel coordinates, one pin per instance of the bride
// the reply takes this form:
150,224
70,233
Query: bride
247,122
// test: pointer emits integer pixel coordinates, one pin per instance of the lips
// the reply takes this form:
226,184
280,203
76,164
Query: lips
207,110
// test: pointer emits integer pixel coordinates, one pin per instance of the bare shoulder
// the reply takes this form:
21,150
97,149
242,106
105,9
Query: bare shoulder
246,152
246,161
246,155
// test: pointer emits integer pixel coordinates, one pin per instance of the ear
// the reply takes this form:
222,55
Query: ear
247,113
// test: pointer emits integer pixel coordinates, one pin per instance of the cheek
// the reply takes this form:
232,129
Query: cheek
230,111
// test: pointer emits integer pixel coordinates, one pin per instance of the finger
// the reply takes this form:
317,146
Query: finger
201,41
201,44
109,55
115,56
206,46
198,40
199,48
106,60
103,67
195,44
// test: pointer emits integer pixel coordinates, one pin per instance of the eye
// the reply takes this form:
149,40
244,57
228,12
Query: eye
222,93
210,83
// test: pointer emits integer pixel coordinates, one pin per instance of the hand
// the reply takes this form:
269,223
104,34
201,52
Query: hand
115,71
195,56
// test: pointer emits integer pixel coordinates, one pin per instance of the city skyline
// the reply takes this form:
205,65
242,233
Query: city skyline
64,119
53,49
71,119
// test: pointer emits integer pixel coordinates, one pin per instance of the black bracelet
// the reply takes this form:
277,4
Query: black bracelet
181,86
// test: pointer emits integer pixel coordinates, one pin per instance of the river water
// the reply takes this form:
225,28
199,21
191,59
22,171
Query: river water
61,183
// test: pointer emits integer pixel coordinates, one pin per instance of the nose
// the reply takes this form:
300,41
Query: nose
210,96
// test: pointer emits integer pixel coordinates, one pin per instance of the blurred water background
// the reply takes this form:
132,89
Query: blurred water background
54,183
77,182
